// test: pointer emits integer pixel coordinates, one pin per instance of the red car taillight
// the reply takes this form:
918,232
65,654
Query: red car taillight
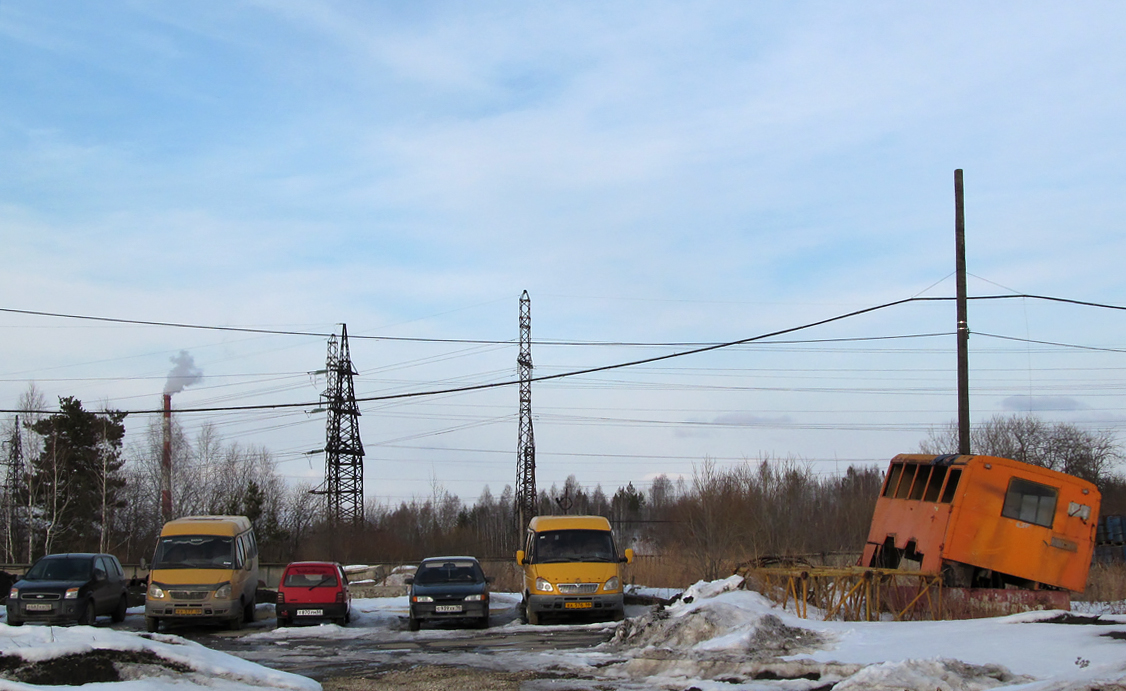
340,596
281,598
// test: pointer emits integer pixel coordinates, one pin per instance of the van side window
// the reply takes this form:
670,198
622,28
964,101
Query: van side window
893,479
1030,502
240,552
951,485
251,545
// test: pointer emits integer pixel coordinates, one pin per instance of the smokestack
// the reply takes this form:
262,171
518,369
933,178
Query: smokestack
166,462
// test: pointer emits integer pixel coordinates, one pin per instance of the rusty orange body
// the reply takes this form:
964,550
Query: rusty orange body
987,518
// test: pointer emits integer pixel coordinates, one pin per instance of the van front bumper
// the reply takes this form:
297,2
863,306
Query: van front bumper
189,611
592,605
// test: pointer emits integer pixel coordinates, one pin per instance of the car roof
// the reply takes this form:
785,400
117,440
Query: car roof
569,523
313,564
455,558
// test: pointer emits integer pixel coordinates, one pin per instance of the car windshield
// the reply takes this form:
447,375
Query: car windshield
194,552
63,569
317,579
451,571
574,545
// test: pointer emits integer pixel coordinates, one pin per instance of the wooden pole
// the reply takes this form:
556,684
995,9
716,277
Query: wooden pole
963,325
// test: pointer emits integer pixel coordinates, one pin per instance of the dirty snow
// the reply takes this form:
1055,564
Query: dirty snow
209,669
715,637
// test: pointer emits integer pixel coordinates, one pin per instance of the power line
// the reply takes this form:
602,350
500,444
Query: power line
603,368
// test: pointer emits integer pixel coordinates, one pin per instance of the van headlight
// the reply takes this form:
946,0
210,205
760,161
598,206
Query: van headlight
156,592
544,586
14,594
612,584
223,592
71,594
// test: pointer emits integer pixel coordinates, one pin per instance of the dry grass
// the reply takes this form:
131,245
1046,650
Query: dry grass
1105,583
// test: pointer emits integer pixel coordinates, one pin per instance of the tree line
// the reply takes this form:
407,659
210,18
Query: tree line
75,487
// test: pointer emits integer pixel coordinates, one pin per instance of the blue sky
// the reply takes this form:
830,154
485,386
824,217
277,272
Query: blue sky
649,172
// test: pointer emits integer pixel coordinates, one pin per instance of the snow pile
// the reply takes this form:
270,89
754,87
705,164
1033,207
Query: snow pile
717,617
55,655
929,675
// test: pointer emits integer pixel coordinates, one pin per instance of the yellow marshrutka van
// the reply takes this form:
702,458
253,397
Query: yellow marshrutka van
204,568
571,567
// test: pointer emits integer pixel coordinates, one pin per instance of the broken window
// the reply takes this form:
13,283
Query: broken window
893,479
934,486
905,482
951,485
1030,502
920,483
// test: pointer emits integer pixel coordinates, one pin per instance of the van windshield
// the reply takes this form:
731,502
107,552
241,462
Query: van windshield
554,546
194,552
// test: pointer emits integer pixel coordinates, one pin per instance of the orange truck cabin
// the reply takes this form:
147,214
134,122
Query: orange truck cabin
984,521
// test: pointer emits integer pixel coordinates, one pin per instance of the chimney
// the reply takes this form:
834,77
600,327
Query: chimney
166,462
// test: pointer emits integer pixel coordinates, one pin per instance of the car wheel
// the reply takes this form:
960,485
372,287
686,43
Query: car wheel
348,617
414,624
284,621
15,622
533,617
248,613
483,622
152,624
88,614
122,608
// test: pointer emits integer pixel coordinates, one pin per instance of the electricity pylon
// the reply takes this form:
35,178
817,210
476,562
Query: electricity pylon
344,452
526,499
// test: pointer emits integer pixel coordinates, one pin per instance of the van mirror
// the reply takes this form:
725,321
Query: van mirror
520,557
409,580
628,558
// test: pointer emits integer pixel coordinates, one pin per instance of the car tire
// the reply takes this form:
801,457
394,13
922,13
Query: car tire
533,617
122,609
348,617
340,621
152,624
483,622
235,622
89,615
414,624
248,613
284,621
15,622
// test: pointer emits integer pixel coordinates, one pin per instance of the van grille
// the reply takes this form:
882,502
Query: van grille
189,594
577,588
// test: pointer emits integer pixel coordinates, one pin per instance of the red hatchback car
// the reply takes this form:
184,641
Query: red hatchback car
313,591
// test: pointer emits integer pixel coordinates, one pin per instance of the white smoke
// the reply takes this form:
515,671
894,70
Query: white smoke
183,375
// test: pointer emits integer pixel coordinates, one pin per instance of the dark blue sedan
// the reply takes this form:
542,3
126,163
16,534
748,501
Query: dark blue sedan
449,589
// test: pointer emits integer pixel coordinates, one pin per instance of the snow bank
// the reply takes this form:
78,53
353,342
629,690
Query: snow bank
207,668
929,675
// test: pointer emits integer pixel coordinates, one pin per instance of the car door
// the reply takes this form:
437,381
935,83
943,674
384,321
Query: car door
103,585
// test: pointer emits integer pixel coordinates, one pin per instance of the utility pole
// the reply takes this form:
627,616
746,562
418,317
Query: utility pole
344,452
963,324
526,498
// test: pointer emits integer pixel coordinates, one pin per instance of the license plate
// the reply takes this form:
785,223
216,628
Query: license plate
310,612
39,607
188,611
578,605
447,608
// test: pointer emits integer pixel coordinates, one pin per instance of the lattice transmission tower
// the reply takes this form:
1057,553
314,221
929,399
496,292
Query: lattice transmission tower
526,498
344,452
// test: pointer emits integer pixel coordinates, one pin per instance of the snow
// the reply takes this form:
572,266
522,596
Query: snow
209,669
717,636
